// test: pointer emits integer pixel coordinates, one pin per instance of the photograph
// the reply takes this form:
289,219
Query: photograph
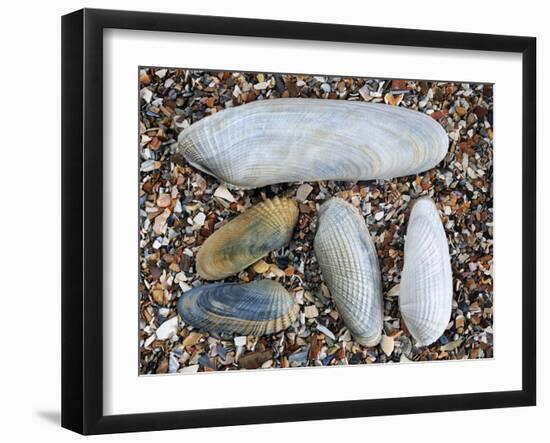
290,220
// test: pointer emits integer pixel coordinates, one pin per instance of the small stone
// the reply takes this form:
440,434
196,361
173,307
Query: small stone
162,368
480,111
164,200
311,311
222,192
299,357
326,331
379,215
158,295
261,86
199,219
278,272
159,227
160,73
392,99
459,321
144,77
254,360
387,344
451,345
192,339
146,94
460,111
189,369
394,291
168,328
267,364
365,93
260,267
303,192
149,165
240,340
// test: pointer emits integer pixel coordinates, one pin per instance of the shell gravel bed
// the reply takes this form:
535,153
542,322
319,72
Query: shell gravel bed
180,207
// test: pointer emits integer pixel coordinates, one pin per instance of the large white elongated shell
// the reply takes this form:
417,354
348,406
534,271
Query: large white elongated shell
250,236
349,263
289,140
426,292
258,308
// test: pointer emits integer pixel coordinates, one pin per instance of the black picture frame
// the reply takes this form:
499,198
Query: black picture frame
82,218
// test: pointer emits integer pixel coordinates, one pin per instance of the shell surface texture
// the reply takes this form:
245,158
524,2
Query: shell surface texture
426,290
349,264
293,139
258,308
264,227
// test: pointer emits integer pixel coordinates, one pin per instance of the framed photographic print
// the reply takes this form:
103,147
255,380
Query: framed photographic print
253,209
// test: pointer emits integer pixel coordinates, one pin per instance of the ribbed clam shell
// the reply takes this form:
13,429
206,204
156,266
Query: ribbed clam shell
247,238
349,264
258,308
426,291
292,139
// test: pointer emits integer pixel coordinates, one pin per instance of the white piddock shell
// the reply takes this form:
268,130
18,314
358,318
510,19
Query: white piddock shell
291,139
349,263
426,290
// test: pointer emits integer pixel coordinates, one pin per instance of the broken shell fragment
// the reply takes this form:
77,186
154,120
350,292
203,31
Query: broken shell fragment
426,290
349,264
291,139
250,236
258,308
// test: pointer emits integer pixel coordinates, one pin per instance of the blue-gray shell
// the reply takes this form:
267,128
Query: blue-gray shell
258,308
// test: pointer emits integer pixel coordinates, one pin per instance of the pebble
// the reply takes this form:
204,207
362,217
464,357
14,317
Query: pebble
451,346
158,295
192,339
149,165
299,357
276,271
387,344
189,369
164,200
146,94
222,192
326,331
199,219
254,360
161,73
260,267
240,340
167,329
311,311
394,291
303,192
159,227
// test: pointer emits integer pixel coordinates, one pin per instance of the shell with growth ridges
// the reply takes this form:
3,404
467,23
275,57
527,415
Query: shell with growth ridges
426,291
258,308
349,265
263,228
291,139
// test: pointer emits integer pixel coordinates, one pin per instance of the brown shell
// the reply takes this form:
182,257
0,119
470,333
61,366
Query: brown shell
250,236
